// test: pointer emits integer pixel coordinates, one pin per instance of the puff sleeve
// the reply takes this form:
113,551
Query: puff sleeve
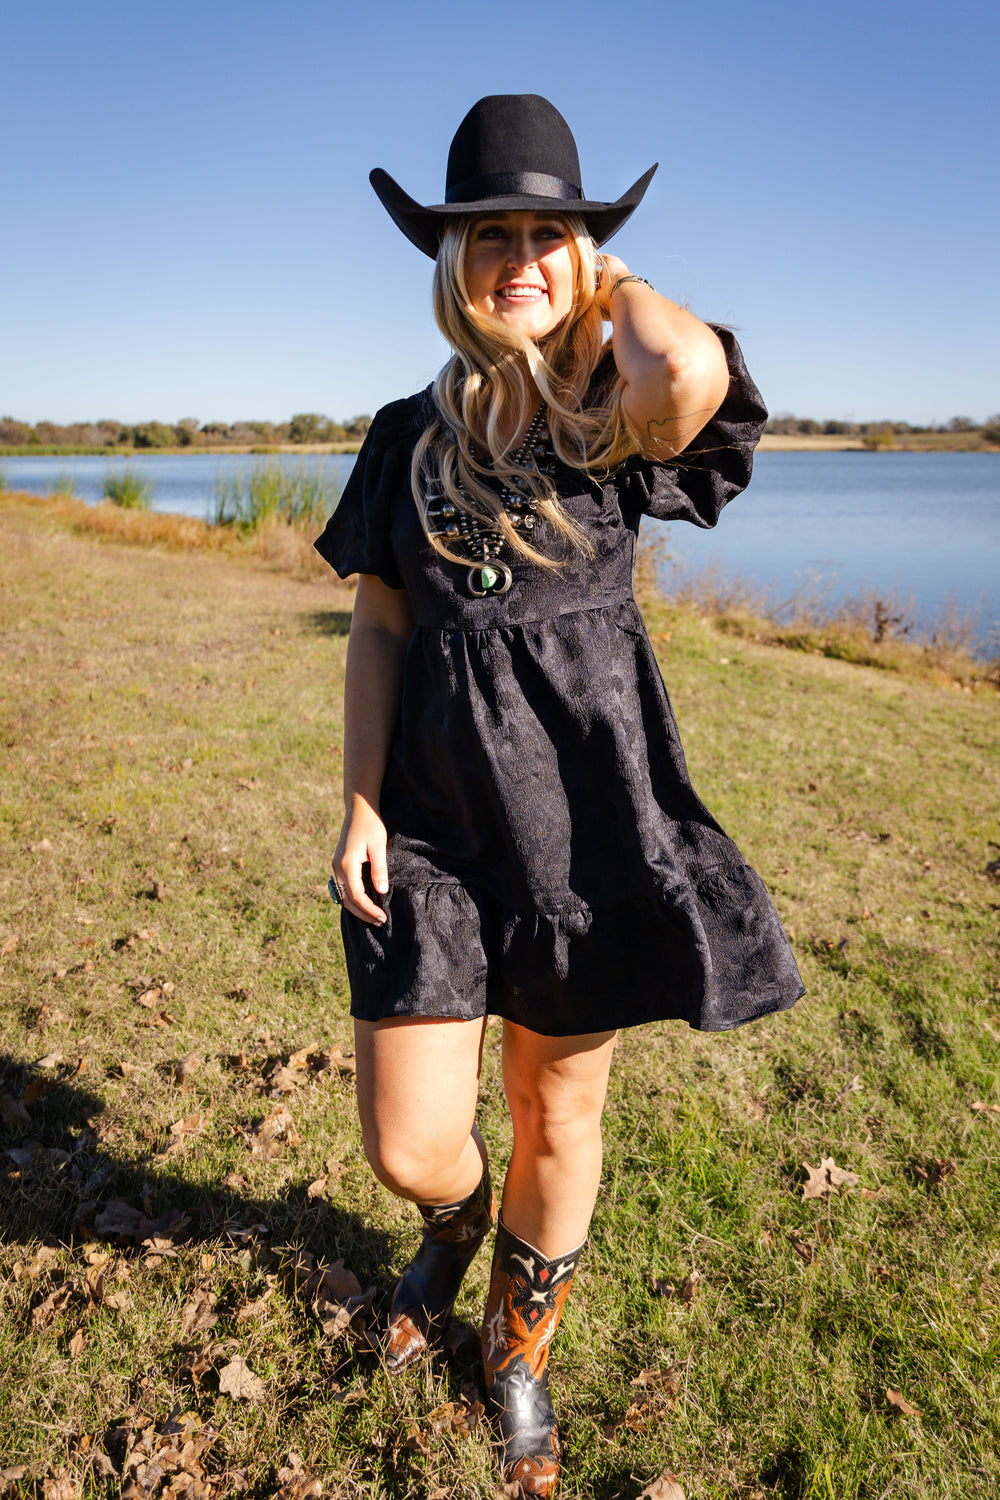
358,536
714,467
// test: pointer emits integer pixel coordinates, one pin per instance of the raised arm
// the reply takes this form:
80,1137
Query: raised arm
380,629
672,363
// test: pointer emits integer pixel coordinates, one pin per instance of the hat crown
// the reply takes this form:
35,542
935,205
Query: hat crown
505,134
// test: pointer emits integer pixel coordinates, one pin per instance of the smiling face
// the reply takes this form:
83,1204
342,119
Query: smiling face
519,269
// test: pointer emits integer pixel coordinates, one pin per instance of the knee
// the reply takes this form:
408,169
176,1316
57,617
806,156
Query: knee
412,1168
553,1125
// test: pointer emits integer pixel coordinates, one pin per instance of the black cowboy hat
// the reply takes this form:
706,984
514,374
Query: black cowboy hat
512,151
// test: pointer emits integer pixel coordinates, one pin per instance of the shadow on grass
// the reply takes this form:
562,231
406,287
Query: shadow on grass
328,621
61,1181
787,1474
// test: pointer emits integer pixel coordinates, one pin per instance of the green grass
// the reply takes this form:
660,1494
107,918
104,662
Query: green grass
272,492
127,489
64,484
170,767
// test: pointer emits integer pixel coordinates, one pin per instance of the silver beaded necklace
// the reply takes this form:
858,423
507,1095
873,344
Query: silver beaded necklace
479,538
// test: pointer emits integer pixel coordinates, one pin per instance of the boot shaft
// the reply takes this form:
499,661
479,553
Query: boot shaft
524,1305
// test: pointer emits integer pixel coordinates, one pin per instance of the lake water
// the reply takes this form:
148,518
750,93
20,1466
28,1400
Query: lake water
918,527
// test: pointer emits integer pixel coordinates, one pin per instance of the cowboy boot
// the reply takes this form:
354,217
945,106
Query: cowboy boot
523,1309
425,1293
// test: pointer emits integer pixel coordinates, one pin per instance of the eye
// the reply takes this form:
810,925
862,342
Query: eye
491,232
550,232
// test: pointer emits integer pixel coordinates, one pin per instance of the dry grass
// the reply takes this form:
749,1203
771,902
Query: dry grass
171,748
276,544
870,628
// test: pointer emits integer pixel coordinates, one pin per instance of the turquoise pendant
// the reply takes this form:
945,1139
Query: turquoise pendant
489,578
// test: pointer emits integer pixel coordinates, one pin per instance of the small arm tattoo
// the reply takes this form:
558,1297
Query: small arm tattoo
662,437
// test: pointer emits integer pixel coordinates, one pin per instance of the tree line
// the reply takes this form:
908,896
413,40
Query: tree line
786,425
189,432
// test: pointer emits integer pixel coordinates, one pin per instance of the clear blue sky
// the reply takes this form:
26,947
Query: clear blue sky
189,229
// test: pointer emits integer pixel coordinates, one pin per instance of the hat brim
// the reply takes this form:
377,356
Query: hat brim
423,226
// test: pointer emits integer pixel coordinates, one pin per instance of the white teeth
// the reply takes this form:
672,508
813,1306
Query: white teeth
523,293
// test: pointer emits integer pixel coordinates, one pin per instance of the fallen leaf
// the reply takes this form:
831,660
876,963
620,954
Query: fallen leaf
316,1189
804,1249
9,944
37,1089
256,1308
239,1381
935,1171
418,1441
825,1178
180,1132
854,1087
664,1289
664,1488
78,1343
665,1382
54,1303
93,1284
981,1106
198,1315
266,1142
895,1398
119,1220
200,1362
42,846
337,1298
338,1281
13,1112
690,1288
296,1483
460,1418
43,1256
62,1485
636,1419
186,1066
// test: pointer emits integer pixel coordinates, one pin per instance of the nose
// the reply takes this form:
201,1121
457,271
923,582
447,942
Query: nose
520,250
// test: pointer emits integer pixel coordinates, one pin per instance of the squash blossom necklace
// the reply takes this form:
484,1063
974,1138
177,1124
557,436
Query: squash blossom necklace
479,538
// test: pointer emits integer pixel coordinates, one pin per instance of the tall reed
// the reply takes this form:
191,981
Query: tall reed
64,484
297,495
128,489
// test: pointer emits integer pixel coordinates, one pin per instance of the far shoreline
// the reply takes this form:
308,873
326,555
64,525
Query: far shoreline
771,442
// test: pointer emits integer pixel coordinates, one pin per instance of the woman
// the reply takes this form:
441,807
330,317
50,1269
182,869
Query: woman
521,837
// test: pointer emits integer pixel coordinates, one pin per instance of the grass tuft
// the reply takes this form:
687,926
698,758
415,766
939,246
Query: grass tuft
273,492
127,489
64,484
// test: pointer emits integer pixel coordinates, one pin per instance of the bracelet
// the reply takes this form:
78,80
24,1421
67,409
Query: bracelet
622,280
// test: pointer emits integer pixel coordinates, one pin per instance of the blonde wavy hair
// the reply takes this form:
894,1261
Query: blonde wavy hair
485,388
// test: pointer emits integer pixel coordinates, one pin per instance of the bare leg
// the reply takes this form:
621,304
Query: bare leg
555,1088
417,1084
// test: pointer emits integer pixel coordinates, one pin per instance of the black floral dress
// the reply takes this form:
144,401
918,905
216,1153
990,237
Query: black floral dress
549,861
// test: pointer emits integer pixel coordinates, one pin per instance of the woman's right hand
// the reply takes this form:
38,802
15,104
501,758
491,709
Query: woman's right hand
362,841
